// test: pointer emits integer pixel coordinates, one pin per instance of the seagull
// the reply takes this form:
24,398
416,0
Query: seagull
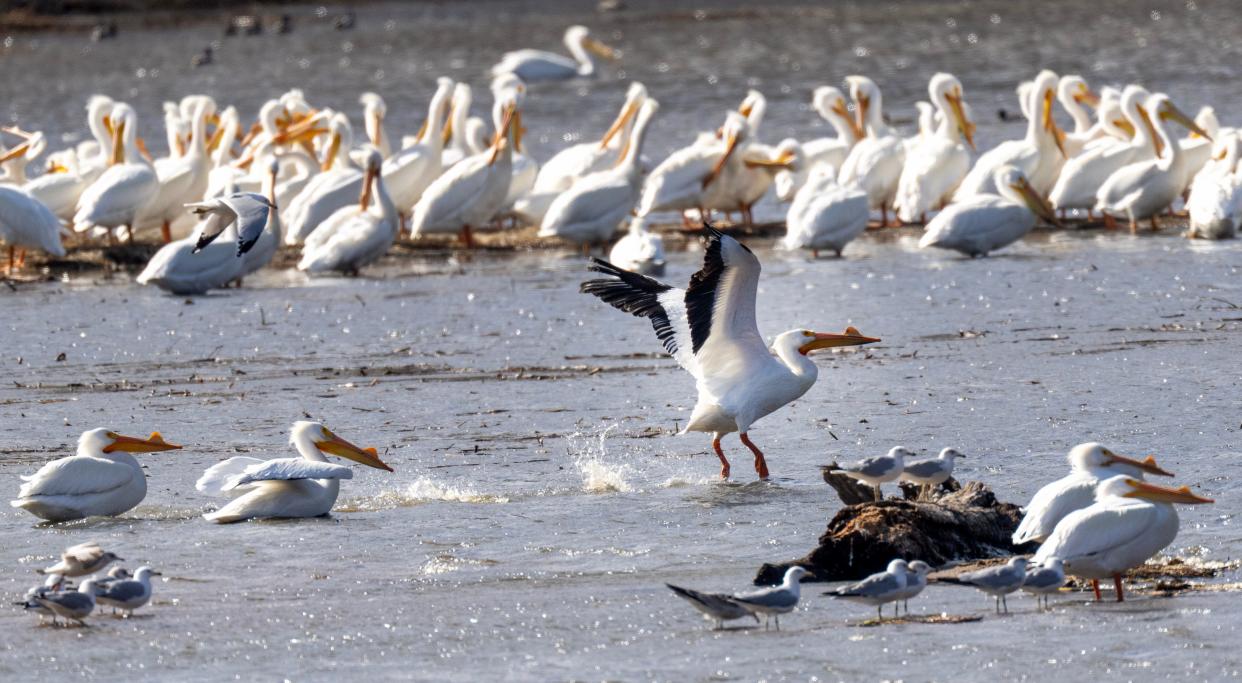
1045,579
997,581
878,470
916,581
82,559
774,601
1090,463
251,212
710,329
53,583
931,471
716,607
879,588
128,594
76,605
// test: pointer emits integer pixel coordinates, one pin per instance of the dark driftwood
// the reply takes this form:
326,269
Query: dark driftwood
941,527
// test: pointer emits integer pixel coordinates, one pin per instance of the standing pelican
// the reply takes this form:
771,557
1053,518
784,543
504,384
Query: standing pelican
831,105
409,172
876,160
355,236
683,180
116,197
1215,201
575,161
336,186
935,165
286,487
1130,521
539,65
1081,176
987,222
25,223
710,329
825,215
181,179
1075,96
103,479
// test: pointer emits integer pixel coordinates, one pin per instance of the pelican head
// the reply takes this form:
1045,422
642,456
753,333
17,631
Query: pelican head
579,38
1074,88
1091,455
788,153
830,103
98,441
1128,487
946,91
374,110
634,99
806,341
371,161
1044,92
1160,106
867,101
331,444
1011,183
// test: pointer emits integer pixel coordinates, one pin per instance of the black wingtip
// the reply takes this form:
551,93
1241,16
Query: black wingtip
243,247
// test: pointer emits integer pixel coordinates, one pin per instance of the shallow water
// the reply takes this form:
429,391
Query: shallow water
540,499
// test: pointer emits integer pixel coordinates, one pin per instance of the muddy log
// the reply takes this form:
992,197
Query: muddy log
951,524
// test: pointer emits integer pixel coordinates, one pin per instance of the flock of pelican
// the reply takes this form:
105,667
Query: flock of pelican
345,198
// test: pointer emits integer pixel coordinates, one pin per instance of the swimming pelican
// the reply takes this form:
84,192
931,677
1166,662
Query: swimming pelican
1215,199
1144,188
825,215
25,223
181,179
936,165
984,223
1038,156
831,105
1090,463
336,186
710,329
640,250
1130,521
285,487
471,192
683,180
120,192
408,172
590,211
539,65
876,160
128,595
103,479
1082,175
373,112
355,236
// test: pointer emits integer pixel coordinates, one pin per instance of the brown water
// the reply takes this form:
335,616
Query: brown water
540,500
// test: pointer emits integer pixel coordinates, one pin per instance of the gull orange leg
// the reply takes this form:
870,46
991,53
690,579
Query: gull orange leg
724,462
9,271
1121,596
21,258
467,237
1095,586
761,465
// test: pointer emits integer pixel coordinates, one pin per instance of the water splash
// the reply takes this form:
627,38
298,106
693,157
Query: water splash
422,491
599,475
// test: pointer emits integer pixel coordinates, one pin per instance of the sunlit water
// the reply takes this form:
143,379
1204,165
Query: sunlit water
540,499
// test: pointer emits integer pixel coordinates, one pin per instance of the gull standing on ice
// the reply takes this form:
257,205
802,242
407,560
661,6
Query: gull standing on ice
774,601
997,581
1045,579
128,595
879,588
716,607
878,470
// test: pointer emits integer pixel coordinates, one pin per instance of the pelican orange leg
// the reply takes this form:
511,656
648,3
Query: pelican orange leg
724,462
761,465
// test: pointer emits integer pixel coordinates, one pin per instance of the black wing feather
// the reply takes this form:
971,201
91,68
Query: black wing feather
635,294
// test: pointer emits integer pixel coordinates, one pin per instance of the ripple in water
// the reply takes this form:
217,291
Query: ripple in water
424,490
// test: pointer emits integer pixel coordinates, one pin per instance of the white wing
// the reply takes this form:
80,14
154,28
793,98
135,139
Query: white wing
215,477
26,222
285,469
86,553
253,212
1097,529
116,196
448,196
1051,504
77,475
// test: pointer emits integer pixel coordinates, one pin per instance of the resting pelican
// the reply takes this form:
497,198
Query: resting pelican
408,172
683,180
60,186
745,183
15,160
471,192
590,211
831,105
355,236
1130,521
640,250
1216,194
936,165
1198,148
334,188
1073,93
1082,176
986,222
709,328
373,112
575,161
875,162
825,215
181,179
1090,463
25,223
116,197
460,144
524,167
1144,188
1038,155
103,479
539,65
286,487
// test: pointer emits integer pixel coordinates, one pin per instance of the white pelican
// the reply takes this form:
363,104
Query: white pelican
462,143
539,65
590,211
709,328
877,589
997,581
831,105
683,180
640,250
103,479
355,236
408,172
825,215
120,192
14,161
878,469
1215,199
471,192
1090,463
984,223
1144,188
1073,93
744,184
25,223
575,161
181,178
1082,175
525,170
1198,147
1038,156
373,111
875,162
60,186
334,188
82,559
128,595
1130,521
935,165
286,487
